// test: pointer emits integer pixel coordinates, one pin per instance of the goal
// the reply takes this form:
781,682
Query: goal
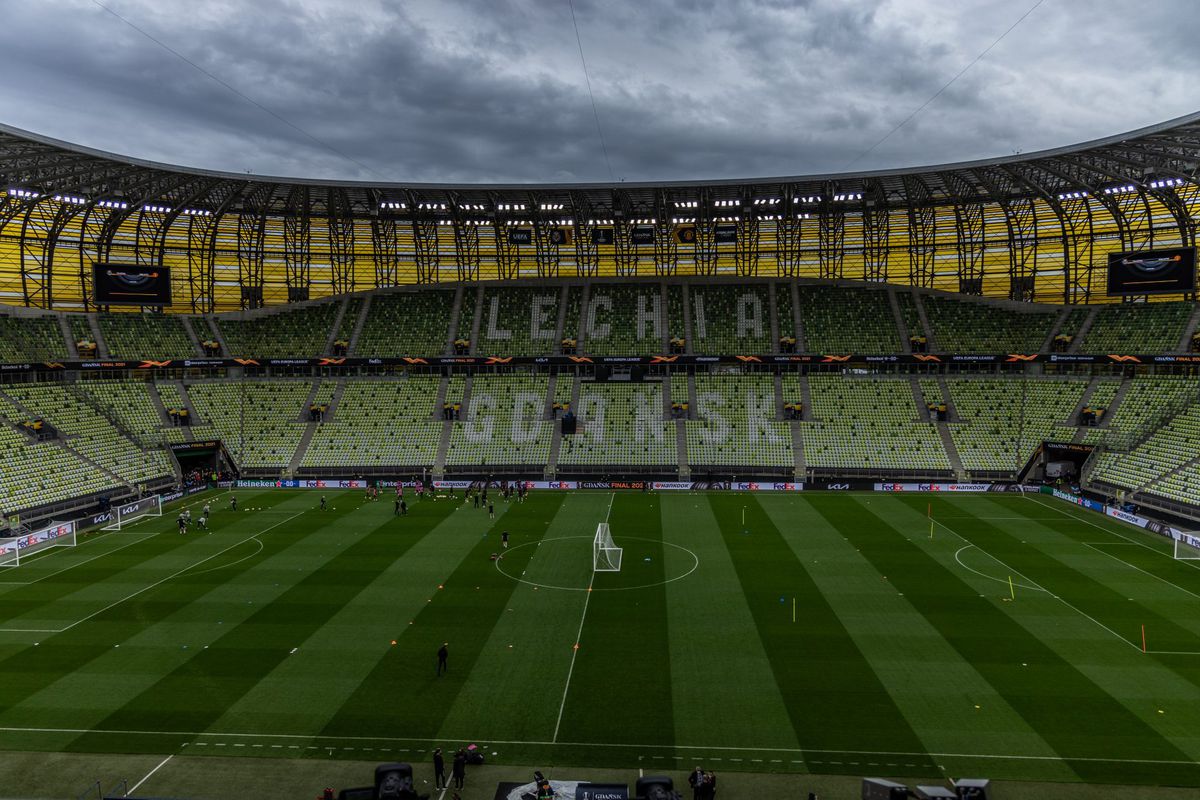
126,514
1187,546
19,548
606,556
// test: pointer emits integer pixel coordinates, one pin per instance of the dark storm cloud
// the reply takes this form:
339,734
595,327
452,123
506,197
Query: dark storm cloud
493,91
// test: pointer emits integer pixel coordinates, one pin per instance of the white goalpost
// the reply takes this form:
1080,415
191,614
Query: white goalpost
606,556
19,548
128,513
1187,546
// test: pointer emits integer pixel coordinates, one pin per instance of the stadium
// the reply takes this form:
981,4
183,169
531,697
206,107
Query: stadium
888,476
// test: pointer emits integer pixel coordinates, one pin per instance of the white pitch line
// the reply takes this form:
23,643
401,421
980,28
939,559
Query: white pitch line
134,788
156,583
1039,586
1129,539
715,748
587,598
1139,569
142,537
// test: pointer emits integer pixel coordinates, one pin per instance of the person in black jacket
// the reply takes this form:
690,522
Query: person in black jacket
439,769
696,781
459,769
443,655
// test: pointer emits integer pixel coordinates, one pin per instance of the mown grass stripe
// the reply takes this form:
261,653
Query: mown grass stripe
197,692
624,661
1052,694
834,698
459,614
528,651
718,661
66,595
931,683
39,665
305,690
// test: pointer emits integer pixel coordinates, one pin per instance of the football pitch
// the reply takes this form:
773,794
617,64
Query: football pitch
906,636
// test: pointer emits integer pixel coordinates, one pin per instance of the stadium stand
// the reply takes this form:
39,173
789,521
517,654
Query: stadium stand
621,319
293,333
1167,449
30,339
784,314
967,326
838,320
155,336
91,434
731,319
407,323
676,325
1147,402
1138,328
129,403
379,423
735,423
519,321
36,474
869,425
80,329
620,424
258,420
910,315
504,425
1002,420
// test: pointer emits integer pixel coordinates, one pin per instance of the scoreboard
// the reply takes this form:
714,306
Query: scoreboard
1170,271
131,285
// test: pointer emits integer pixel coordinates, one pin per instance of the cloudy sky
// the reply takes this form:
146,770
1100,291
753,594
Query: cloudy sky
494,90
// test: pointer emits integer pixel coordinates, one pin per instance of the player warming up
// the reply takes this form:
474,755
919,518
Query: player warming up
233,502
443,654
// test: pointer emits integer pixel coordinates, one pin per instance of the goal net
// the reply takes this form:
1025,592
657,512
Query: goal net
126,514
19,548
606,556
1187,546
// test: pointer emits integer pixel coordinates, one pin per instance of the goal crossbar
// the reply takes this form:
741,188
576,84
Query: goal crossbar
606,556
1187,546
128,513
18,548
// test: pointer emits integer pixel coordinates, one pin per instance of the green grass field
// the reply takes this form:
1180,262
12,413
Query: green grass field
825,633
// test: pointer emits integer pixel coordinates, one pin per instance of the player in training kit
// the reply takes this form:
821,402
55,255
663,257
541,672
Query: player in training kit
322,502
182,523
504,540
203,521
233,502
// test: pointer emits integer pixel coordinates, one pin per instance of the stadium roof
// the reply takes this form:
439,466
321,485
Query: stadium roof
1151,160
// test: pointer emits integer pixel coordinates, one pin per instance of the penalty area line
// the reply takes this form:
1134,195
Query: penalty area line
157,583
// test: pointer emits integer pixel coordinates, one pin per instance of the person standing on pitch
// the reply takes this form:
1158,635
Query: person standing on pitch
439,769
403,508
459,770
504,540
491,511
182,523
396,507
322,502
233,502
443,654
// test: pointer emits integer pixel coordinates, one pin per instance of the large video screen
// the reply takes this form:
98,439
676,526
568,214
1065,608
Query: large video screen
131,285
1152,272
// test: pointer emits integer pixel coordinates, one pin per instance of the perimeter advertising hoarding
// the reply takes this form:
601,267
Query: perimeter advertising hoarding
1170,271
131,285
